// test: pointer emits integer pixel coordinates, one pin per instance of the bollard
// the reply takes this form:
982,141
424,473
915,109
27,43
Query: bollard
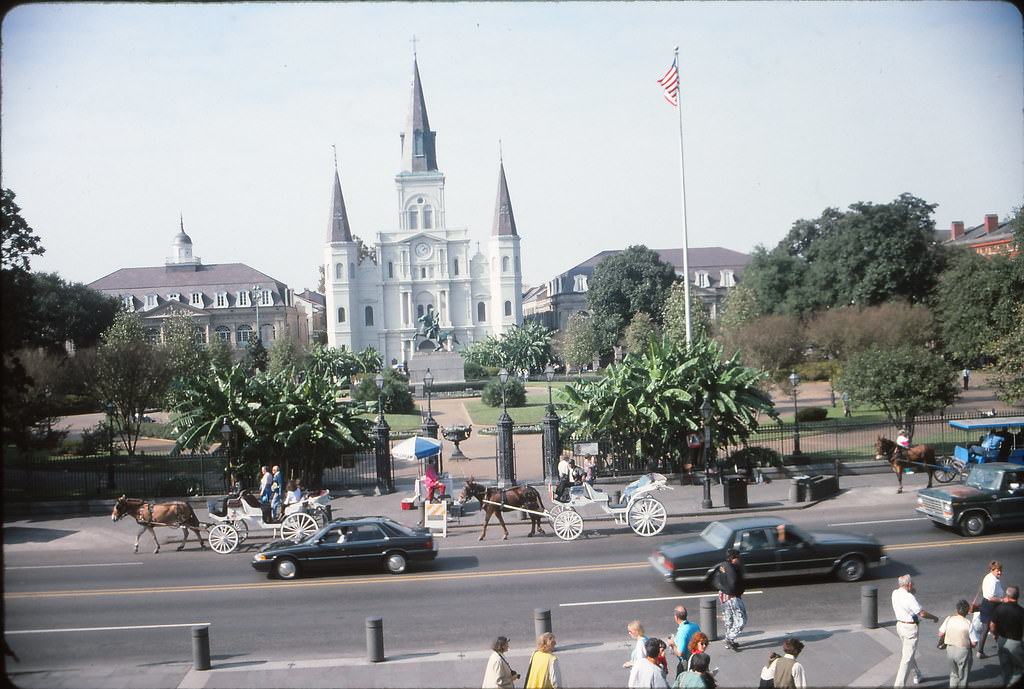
869,607
541,621
709,617
375,639
201,647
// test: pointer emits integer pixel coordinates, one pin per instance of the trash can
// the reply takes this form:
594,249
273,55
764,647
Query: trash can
798,490
734,490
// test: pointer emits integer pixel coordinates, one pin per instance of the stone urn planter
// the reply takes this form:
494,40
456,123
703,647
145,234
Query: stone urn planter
456,434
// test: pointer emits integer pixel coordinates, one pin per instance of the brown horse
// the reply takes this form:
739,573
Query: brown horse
517,496
917,456
148,515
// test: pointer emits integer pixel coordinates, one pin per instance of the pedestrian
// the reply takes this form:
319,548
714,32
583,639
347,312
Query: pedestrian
767,680
787,673
729,580
589,469
846,403
543,671
908,612
992,595
294,493
265,481
646,672
498,673
698,676
1006,624
680,641
966,374
563,478
638,652
957,636
698,644
276,488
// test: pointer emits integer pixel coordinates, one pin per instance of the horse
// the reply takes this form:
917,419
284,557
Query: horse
917,456
517,496
148,515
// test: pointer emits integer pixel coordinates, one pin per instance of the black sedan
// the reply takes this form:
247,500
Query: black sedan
349,544
769,547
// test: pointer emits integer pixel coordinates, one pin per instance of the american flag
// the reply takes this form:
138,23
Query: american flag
670,84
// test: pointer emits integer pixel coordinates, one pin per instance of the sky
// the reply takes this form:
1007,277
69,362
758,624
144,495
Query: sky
118,121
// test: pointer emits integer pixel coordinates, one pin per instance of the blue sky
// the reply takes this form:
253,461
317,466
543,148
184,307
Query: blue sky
116,118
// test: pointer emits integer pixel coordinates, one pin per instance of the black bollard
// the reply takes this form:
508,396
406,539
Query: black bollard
375,639
201,647
541,621
709,617
869,607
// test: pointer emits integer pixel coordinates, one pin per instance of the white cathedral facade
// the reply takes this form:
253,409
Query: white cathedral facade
377,293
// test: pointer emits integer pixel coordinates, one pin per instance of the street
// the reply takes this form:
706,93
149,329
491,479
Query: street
104,602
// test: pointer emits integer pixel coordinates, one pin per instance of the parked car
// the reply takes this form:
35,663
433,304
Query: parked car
769,547
993,494
348,544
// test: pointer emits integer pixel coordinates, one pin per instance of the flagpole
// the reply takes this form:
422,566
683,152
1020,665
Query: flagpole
682,183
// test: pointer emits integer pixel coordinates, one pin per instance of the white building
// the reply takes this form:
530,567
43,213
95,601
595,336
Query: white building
376,294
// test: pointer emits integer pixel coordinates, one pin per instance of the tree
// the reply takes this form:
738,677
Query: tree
772,343
186,360
63,312
579,342
285,354
838,333
395,395
18,243
219,353
131,374
738,308
639,333
673,317
905,381
526,347
651,401
256,357
1009,368
623,284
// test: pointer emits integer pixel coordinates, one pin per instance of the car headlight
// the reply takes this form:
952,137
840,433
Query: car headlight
261,556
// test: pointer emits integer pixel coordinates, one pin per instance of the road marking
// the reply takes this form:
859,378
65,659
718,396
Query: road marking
881,521
106,629
943,544
98,564
646,600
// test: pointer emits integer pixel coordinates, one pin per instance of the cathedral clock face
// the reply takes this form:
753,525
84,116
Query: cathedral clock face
422,249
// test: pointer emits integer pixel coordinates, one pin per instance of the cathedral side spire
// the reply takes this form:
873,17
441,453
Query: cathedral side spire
504,220
339,229
418,150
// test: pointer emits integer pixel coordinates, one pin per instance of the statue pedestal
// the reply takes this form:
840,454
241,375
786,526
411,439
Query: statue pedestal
445,367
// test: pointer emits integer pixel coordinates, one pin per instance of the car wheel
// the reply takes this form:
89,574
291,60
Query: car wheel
851,568
395,562
286,568
972,525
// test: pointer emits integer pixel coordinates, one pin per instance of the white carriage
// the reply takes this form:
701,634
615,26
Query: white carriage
236,516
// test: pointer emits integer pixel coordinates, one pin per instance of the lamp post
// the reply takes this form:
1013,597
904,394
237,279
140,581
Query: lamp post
505,470
705,413
794,381
110,442
225,435
256,297
429,426
382,442
550,426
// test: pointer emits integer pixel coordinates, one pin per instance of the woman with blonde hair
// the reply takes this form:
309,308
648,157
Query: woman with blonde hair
639,651
543,671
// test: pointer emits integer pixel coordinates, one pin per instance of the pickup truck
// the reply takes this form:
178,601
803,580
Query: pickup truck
992,495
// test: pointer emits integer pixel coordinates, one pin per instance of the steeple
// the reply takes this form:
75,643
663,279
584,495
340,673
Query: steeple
504,220
418,152
339,230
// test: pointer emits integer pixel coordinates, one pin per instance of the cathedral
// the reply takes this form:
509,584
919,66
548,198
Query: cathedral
421,270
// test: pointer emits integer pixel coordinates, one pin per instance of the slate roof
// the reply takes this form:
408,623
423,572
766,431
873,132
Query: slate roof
185,279
976,235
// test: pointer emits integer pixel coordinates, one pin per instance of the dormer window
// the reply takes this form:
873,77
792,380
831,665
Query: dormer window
173,296
222,300
151,301
127,302
579,283
728,278
196,299
243,298
703,279
265,298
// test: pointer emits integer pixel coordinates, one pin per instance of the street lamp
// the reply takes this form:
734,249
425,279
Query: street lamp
110,438
257,297
379,380
225,435
550,430
503,377
549,374
430,425
794,381
705,413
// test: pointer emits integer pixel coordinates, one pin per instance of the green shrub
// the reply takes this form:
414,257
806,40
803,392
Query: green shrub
757,456
95,440
515,393
396,395
815,370
810,414
458,387
474,371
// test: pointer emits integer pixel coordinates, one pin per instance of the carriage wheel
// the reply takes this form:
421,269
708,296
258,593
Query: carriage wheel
320,515
568,525
298,527
948,470
557,507
242,528
647,517
223,538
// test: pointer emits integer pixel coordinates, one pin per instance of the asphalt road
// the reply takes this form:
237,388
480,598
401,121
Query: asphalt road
119,605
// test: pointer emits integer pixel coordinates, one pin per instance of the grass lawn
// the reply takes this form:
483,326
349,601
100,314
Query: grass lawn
398,422
532,413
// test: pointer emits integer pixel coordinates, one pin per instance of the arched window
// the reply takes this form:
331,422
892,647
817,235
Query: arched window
508,308
428,217
338,272
222,333
201,337
413,219
341,314
504,264
152,335
243,334
481,312
369,315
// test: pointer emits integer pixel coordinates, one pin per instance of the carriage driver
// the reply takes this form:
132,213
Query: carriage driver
902,443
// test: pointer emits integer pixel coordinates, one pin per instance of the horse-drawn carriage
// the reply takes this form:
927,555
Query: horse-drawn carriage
1003,442
237,514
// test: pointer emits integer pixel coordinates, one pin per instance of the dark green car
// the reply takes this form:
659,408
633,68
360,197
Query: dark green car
769,548
992,495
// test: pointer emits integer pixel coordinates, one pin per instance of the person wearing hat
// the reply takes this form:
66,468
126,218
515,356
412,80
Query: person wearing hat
729,579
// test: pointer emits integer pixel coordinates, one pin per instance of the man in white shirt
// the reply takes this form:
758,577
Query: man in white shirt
563,479
908,614
648,674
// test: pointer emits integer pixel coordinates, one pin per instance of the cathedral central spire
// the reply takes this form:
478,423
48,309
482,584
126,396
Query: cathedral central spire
418,151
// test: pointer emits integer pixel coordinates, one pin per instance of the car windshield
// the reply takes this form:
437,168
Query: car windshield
983,478
717,534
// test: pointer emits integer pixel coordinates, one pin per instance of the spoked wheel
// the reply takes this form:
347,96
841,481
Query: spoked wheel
298,527
320,515
557,507
647,517
223,538
947,471
568,525
242,528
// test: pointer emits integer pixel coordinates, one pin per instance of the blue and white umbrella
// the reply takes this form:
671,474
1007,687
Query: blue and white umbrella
416,447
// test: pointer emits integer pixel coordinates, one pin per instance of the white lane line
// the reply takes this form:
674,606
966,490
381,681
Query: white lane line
882,521
106,629
493,545
98,564
646,600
